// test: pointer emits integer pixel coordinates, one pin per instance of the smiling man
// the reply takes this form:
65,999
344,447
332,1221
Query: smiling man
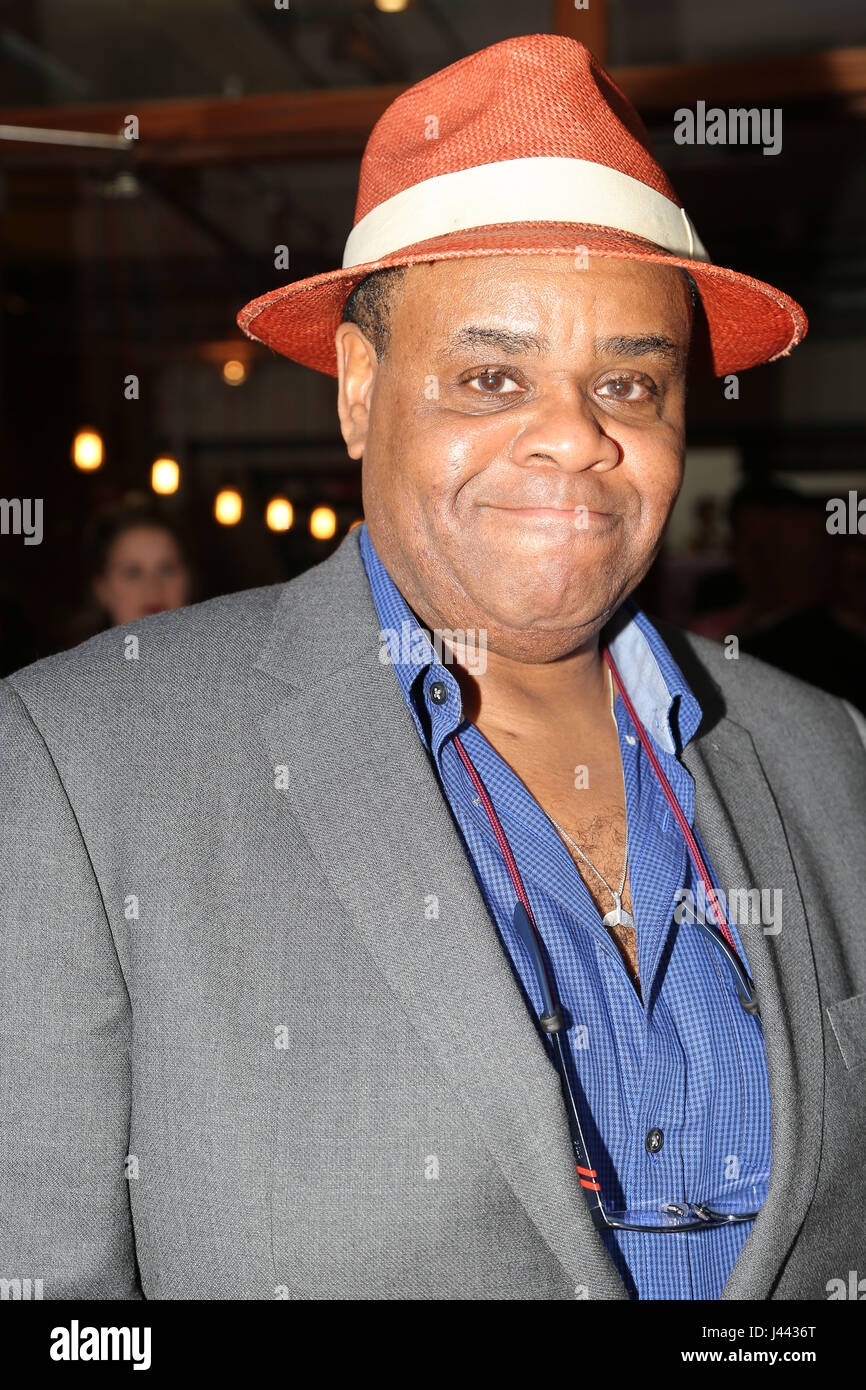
402,931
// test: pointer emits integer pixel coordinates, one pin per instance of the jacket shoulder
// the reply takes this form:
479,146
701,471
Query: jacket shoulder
753,693
197,650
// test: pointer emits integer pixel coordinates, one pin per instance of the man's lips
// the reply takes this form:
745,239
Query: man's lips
572,514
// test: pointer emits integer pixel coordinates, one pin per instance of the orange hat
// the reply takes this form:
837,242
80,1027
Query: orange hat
532,125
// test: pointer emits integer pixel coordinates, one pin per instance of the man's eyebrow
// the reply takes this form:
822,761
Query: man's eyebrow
514,343
648,344
502,339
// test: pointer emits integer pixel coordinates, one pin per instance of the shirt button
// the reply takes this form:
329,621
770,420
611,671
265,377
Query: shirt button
630,738
654,1141
438,692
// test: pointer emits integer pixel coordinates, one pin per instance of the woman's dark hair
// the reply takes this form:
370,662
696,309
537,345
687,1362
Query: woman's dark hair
108,525
135,510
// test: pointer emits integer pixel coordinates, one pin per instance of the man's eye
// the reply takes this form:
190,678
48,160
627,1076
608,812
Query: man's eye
491,383
625,388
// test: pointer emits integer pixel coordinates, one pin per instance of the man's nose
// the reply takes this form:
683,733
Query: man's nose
563,428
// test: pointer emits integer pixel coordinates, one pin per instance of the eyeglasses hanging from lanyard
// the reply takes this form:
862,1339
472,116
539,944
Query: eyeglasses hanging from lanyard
669,1216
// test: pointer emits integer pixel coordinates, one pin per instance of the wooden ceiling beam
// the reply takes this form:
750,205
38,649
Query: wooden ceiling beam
834,74
329,124
214,130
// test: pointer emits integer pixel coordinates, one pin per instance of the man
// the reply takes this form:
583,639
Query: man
373,935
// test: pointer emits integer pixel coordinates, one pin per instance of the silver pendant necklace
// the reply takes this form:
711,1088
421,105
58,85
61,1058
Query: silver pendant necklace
617,917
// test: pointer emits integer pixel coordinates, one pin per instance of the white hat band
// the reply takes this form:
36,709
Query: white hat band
542,189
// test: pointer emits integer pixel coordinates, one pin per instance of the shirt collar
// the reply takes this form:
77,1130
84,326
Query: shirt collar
662,699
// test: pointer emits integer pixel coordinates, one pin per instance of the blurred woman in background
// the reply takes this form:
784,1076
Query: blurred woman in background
136,565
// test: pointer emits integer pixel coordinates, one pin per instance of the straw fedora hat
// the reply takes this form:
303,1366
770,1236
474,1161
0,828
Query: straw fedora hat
526,147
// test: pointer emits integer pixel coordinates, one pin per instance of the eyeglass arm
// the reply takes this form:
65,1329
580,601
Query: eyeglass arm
745,988
553,1025
551,1018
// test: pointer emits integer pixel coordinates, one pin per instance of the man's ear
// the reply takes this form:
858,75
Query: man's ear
356,373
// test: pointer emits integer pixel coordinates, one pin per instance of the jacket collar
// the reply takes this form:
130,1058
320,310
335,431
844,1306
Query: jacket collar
657,688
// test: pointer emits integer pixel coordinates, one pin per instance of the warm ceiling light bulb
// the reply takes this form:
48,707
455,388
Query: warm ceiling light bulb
234,373
323,523
165,476
87,450
228,507
391,6
279,514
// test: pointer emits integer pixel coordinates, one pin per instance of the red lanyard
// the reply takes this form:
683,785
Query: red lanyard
691,842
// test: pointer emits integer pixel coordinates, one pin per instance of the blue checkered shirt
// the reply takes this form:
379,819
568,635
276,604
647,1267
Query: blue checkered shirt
693,1063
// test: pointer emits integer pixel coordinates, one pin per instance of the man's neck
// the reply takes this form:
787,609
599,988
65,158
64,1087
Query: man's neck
535,697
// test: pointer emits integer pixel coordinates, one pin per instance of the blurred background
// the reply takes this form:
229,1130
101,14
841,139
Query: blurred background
176,460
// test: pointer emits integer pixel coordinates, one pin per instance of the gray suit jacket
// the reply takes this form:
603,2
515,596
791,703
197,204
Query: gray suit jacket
238,1057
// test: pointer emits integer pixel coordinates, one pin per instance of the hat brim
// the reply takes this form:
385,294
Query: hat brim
748,322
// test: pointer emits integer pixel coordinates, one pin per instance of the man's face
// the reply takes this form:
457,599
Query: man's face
522,440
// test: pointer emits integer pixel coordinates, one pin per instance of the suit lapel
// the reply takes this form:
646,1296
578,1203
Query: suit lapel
739,822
